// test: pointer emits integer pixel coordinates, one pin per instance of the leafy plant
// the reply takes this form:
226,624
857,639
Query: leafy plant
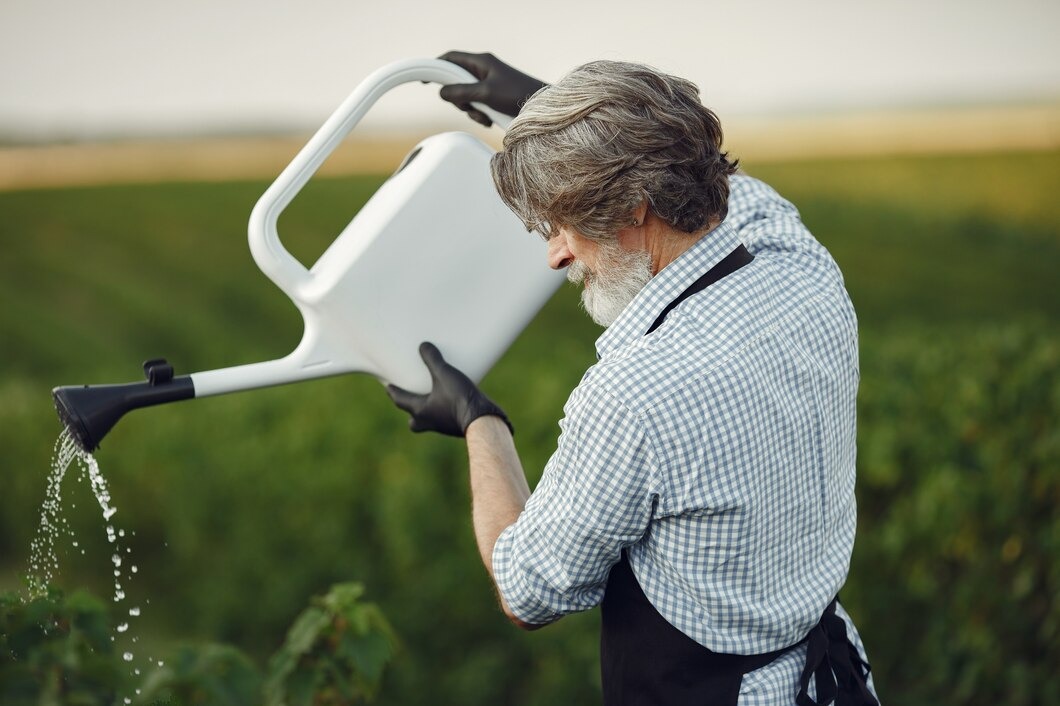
57,651
204,675
334,654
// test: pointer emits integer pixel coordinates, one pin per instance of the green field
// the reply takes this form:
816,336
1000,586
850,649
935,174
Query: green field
245,505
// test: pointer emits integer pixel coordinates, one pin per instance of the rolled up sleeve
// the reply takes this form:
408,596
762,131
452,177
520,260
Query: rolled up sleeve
596,496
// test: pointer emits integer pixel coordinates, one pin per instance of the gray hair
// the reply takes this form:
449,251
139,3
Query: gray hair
586,151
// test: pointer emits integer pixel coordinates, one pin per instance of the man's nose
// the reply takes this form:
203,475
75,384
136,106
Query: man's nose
559,255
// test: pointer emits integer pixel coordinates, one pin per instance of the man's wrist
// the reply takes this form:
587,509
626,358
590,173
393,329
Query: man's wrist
491,423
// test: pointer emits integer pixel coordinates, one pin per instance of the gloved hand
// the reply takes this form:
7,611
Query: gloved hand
500,86
453,403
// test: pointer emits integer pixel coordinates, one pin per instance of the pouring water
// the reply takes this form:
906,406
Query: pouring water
44,567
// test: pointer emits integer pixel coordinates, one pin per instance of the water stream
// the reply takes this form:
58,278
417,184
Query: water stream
53,527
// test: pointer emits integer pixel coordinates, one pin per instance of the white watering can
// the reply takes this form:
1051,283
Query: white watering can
434,255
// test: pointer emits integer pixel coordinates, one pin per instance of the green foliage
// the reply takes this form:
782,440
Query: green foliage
58,650
955,575
334,654
203,675
244,505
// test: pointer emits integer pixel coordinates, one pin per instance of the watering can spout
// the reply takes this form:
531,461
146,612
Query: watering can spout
90,411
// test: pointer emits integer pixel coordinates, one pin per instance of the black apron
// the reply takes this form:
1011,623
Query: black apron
645,661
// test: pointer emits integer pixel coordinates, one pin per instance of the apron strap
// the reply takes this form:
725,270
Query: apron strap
729,264
831,658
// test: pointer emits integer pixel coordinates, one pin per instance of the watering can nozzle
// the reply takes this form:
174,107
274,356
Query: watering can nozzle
90,411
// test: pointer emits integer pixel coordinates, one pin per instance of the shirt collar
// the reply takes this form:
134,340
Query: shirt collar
666,286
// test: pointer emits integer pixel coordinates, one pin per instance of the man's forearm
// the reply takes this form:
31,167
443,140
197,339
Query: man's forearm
498,486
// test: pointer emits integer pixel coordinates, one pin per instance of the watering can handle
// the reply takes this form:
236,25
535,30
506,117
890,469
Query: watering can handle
273,259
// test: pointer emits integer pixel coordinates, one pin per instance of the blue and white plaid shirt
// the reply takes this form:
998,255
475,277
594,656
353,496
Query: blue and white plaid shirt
718,451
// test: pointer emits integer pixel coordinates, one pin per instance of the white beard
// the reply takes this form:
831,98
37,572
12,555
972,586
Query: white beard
619,277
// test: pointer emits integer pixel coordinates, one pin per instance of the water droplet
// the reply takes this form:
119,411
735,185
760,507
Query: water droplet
137,673
119,595
116,559
134,611
121,533
109,513
123,627
128,700
127,656
161,663
134,569
75,541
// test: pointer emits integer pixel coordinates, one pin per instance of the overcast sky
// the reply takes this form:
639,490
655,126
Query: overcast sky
72,68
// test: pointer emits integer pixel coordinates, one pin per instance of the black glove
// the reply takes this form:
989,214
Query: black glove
500,86
453,403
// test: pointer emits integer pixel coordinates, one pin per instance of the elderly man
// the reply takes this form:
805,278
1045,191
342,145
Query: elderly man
702,489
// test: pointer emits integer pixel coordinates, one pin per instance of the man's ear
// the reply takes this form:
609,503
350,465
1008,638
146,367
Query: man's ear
632,234
640,213
635,236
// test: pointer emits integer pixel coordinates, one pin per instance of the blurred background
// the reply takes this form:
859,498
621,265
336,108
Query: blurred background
921,142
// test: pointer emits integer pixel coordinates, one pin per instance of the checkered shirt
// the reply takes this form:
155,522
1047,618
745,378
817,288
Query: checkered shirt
718,451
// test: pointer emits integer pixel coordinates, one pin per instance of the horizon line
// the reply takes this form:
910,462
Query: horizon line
228,157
